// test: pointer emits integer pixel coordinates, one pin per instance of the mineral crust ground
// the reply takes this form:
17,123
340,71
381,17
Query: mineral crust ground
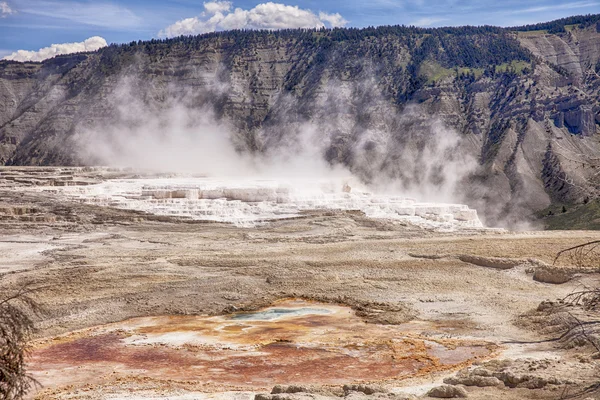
145,306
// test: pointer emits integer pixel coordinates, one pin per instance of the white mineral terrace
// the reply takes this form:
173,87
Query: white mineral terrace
251,202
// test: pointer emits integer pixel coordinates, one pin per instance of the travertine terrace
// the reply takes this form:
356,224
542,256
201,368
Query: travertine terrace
249,202
337,302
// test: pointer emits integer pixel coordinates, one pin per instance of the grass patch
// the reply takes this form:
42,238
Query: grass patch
580,216
532,33
570,28
434,72
517,66
475,71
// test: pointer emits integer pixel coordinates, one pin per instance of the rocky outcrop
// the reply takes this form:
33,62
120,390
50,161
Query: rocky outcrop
552,275
447,392
474,380
366,389
575,50
492,262
520,373
347,392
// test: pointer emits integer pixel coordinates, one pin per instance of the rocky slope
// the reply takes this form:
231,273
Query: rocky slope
401,106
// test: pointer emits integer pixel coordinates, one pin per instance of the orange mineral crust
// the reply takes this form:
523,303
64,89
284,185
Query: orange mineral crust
293,341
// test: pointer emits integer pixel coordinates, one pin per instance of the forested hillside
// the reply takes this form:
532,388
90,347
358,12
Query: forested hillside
522,104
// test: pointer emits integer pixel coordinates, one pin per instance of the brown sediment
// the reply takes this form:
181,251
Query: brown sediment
325,349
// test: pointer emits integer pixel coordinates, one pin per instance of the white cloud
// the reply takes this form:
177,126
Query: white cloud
334,20
96,13
217,16
214,7
427,21
5,9
555,7
91,44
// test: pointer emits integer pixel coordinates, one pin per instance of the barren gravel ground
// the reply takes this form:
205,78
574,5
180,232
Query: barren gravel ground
98,266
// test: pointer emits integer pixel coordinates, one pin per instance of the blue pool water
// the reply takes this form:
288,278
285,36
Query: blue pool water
275,313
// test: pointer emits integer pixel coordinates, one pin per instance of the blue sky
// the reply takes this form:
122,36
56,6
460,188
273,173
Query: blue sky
33,24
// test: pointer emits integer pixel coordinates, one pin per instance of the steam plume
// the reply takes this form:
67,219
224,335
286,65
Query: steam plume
407,152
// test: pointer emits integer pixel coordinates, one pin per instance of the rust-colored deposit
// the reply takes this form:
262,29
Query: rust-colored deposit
293,341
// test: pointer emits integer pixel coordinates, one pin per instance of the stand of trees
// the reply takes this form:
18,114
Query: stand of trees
558,26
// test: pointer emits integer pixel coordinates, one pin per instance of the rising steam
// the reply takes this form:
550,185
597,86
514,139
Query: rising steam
395,152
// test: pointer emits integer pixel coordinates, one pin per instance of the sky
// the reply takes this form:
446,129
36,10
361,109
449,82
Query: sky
36,24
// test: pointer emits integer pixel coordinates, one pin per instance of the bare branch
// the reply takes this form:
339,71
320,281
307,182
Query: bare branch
17,309
575,248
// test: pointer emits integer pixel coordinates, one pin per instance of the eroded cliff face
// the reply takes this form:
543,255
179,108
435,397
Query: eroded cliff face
528,124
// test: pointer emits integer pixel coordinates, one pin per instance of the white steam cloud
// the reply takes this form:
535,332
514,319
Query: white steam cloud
218,15
167,137
5,9
176,136
406,153
92,44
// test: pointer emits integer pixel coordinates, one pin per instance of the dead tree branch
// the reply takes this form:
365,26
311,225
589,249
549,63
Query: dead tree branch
17,310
